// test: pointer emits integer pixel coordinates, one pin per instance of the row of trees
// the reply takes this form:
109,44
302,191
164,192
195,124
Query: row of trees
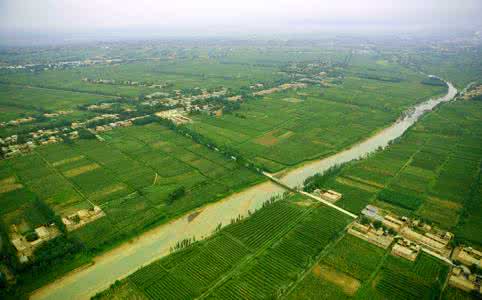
320,179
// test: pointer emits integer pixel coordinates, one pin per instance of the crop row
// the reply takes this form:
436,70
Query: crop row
264,225
402,286
280,265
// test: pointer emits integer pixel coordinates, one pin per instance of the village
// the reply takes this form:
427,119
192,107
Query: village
473,93
409,237
176,109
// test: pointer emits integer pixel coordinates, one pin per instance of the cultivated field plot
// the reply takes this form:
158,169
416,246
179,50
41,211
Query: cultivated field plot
355,269
131,177
401,279
17,101
203,73
289,127
278,56
432,172
340,273
255,258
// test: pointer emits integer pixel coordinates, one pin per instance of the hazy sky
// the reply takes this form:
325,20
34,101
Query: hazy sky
197,16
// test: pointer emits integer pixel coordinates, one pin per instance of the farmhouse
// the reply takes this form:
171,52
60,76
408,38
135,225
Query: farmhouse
25,246
21,121
101,106
328,195
175,115
370,234
372,212
82,217
428,240
468,256
462,278
406,249
472,93
422,234
282,87
156,95
393,222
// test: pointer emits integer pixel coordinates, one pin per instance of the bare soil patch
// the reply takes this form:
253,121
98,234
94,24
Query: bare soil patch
67,160
292,100
109,190
348,284
81,170
286,135
267,139
356,184
8,184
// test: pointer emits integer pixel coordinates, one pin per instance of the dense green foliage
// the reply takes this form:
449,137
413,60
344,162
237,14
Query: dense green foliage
318,180
403,200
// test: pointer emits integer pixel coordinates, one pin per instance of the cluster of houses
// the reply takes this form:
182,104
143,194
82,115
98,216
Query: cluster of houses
26,243
57,113
285,86
112,125
406,249
62,64
122,82
381,227
372,234
181,107
315,73
178,116
17,122
101,106
409,237
473,92
11,148
31,119
256,86
188,102
102,117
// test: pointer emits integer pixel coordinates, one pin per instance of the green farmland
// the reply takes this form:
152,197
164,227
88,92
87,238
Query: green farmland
290,127
303,257
131,176
432,172
176,74
119,175
126,151
18,101
258,257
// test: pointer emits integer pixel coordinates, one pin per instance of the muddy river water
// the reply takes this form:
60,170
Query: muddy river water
127,258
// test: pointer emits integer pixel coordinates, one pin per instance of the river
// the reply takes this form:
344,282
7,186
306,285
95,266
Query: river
154,244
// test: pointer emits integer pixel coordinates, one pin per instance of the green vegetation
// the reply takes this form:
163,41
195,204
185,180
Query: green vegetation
147,174
340,272
256,257
434,81
401,279
432,172
141,176
355,257
178,74
18,101
277,133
